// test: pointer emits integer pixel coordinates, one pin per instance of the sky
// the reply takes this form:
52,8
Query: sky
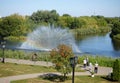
107,8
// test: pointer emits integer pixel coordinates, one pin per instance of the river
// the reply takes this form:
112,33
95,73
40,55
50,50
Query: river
101,45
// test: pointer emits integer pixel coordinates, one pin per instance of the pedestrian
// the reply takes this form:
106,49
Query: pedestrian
96,68
84,63
87,60
34,57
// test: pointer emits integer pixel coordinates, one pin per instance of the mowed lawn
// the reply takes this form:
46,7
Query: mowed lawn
11,69
78,79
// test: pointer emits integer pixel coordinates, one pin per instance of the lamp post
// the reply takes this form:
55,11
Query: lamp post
3,47
73,62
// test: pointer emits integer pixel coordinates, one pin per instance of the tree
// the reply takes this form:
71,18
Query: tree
88,22
45,17
65,21
14,25
116,31
116,28
76,23
60,57
66,15
116,70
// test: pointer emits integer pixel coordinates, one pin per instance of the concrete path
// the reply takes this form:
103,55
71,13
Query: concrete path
101,71
20,77
29,62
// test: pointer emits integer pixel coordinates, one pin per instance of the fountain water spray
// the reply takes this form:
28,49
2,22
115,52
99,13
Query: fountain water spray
47,38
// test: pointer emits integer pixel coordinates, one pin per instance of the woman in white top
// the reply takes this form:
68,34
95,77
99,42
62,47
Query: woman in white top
84,63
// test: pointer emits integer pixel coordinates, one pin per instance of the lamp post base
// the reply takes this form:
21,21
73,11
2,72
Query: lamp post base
3,60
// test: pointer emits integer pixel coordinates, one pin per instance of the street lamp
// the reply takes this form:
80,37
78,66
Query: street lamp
3,47
73,62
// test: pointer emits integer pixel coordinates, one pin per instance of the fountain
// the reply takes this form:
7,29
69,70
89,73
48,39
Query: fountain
47,38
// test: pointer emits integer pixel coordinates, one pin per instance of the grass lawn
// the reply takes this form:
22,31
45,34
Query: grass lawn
78,79
10,69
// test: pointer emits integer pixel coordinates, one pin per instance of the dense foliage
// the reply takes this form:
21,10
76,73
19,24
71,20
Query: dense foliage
14,25
17,25
116,30
60,57
49,17
116,70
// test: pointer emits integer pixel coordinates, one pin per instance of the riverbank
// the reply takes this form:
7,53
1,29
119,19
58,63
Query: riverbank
89,31
44,56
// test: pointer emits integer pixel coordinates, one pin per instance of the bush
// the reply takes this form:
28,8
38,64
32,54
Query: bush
116,70
91,30
117,36
60,57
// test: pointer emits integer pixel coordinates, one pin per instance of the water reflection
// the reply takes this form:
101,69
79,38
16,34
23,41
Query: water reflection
100,44
116,44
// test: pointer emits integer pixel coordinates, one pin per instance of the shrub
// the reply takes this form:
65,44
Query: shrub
60,57
116,70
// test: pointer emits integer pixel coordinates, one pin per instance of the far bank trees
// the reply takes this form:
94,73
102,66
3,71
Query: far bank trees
45,17
116,31
14,25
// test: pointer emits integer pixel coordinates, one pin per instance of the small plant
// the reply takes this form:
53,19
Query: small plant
92,72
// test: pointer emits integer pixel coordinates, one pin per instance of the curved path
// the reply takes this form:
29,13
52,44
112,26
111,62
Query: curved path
101,71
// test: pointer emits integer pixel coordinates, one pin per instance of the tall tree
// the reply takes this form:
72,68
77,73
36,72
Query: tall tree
45,16
13,25
116,28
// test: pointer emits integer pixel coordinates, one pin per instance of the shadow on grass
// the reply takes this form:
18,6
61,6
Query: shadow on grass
53,77
107,78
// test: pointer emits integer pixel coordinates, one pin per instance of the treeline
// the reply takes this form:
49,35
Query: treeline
67,21
17,25
116,31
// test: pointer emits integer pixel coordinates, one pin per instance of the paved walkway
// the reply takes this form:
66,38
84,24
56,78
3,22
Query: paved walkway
29,62
101,71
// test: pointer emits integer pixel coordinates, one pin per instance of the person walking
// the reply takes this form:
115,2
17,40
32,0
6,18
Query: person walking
34,57
87,60
96,68
84,63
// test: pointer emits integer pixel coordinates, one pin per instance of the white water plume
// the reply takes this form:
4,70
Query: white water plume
47,38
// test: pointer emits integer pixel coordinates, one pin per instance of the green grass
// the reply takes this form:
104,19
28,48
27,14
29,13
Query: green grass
90,30
27,55
78,79
45,56
10,69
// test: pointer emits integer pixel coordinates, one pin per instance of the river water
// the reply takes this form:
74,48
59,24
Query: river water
101,45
